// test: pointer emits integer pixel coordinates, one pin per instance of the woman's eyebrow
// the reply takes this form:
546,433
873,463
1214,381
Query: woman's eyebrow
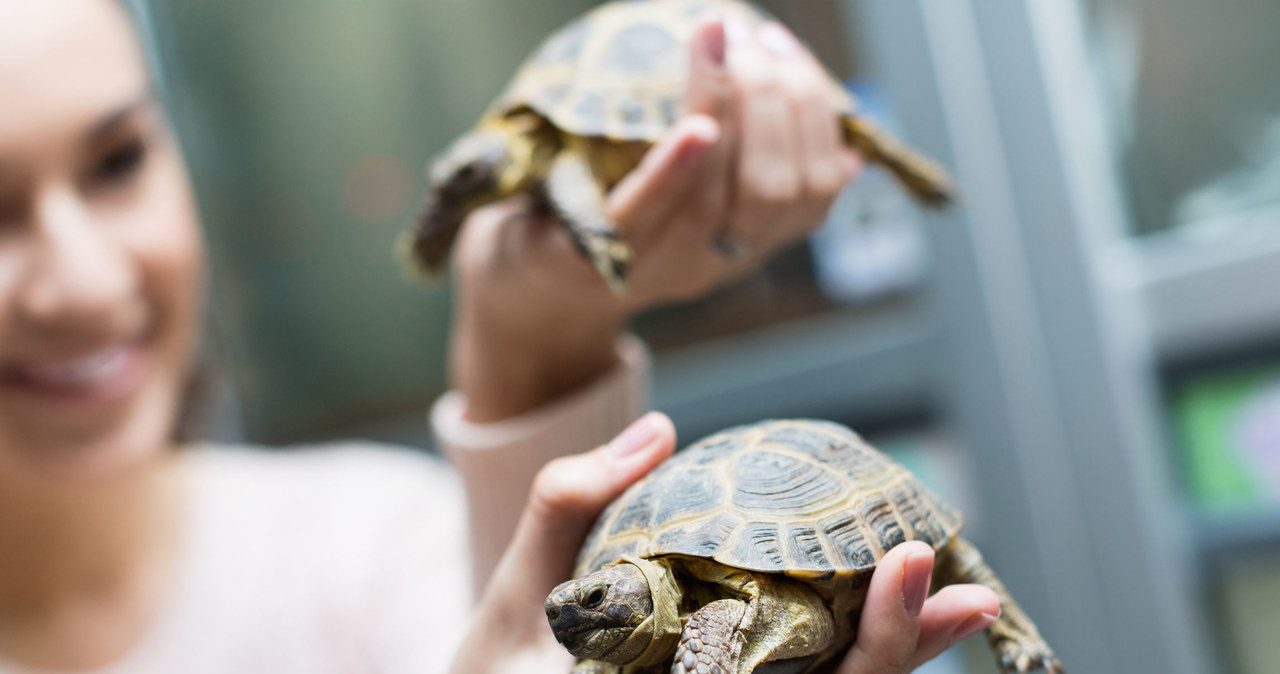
113,120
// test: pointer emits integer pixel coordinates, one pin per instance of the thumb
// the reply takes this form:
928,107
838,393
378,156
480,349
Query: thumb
889,629
567,496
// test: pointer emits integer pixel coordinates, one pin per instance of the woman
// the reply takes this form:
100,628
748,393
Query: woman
121,552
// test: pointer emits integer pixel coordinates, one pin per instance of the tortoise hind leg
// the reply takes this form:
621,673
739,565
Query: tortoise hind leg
1013,637
921,176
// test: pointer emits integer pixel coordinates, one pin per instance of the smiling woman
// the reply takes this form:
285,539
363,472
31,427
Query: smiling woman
99,257
124,552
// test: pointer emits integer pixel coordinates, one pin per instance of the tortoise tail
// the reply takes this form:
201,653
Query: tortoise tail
925,179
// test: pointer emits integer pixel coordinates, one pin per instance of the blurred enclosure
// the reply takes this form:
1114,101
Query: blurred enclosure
1085,355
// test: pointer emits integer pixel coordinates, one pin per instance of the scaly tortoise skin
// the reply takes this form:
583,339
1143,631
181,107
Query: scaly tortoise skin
580,114
754,548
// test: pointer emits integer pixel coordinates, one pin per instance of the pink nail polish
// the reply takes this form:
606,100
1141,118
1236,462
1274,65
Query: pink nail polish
715,44
915,582
640,434
972,625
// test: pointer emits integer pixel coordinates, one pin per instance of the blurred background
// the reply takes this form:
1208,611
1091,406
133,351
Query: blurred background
1085,356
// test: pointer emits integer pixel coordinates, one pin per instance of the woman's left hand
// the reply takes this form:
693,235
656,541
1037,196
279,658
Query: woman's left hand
899,631
509,633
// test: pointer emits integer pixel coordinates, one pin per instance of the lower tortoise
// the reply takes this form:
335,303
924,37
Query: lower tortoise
753,549
580,114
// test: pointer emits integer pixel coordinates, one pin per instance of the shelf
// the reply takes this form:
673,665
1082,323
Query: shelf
846,365
1204,293
1218,536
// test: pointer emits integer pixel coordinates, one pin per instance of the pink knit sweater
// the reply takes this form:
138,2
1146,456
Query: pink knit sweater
354,557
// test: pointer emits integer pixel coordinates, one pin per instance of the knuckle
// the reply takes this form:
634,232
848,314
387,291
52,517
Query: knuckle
553,493
800,87
757,79
770,185
825,180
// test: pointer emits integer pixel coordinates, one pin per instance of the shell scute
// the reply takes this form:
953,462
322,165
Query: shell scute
633,50
688,493
697,539
636,516
758,547
780,484
846,534
804,549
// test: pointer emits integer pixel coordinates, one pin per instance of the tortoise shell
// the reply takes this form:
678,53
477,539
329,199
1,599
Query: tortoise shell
620,70
808,499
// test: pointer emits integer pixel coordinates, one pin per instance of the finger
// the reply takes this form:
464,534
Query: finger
954,614
664,178
567,496
818,134
768,177
672,250
890,625
709,87
710,92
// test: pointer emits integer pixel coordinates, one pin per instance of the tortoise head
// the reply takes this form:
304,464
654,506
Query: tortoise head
480,167
470,169
609,615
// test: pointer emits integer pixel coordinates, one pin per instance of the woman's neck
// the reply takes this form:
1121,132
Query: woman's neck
86,566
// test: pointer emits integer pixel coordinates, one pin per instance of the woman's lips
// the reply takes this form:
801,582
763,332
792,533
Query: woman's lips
103,375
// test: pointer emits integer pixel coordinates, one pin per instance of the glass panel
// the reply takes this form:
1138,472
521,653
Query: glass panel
1195,103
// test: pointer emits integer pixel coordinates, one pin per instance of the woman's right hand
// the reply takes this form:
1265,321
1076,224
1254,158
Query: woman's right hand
756,159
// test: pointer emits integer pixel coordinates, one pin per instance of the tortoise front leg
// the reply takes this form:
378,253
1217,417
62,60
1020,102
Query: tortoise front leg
713,636
1014,638
573,195
598,667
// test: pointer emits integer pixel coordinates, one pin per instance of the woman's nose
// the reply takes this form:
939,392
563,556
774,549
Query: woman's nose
80,267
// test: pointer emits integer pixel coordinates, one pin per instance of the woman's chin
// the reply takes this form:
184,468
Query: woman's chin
95,450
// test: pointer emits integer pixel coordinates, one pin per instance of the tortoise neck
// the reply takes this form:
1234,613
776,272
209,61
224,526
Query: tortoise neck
664,624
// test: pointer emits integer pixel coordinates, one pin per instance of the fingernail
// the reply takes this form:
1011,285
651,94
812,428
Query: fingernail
915,581
777,39
972,625
705,133
640,434
715,43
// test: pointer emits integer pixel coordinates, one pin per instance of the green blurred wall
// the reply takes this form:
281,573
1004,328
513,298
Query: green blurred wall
276,102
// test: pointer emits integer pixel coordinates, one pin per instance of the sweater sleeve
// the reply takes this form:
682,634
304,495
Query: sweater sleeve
497,461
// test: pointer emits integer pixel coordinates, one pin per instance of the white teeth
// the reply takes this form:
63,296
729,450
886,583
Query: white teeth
99,366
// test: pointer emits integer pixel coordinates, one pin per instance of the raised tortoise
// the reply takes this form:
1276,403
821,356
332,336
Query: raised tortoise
580,114
755,546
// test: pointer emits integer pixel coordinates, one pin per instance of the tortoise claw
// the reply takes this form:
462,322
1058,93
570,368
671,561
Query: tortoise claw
1021,657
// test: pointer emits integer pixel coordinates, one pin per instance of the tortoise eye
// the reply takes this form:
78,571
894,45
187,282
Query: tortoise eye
594,598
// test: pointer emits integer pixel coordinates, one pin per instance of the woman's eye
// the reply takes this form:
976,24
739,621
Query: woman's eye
120,164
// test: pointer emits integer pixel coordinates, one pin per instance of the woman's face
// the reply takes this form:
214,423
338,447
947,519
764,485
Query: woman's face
99,247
